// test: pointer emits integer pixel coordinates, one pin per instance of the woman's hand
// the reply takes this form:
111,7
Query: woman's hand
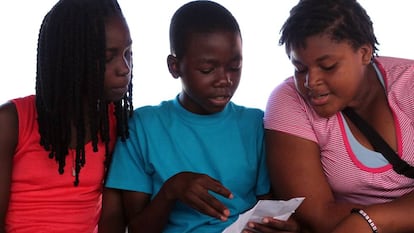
271,225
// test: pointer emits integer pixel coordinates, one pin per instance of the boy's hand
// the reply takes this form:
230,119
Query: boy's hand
193,190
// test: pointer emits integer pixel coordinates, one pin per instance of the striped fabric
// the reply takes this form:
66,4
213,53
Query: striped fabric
350,180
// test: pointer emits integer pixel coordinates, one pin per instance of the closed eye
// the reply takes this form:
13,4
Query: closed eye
236,65
206,71
328,68
109,57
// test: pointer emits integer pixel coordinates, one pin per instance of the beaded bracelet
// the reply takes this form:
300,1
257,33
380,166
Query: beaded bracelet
367,218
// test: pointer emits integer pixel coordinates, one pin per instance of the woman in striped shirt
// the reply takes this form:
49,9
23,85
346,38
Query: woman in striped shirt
314,150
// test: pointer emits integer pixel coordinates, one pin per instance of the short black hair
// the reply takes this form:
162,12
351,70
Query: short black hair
70,79
343,20
198,17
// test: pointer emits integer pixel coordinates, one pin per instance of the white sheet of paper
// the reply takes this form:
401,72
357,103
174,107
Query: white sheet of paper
264,208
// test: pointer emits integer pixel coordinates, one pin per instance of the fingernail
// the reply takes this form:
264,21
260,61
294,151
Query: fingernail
265,220
226,212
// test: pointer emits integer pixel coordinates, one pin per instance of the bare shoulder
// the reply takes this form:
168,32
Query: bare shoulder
8,141
8,109
8,116
8,127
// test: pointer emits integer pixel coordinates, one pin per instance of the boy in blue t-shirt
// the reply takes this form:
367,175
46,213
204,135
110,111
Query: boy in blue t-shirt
193,163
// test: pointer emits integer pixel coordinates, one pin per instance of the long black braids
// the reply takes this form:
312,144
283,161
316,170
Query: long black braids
70,80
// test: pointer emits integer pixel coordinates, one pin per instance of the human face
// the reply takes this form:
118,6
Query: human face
118,59
330,75
210,71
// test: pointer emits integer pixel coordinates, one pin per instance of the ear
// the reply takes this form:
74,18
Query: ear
173,66
366,52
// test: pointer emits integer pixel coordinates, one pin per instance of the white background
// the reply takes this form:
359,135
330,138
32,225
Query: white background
264,62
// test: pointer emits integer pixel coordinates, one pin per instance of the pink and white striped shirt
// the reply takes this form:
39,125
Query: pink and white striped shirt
350,179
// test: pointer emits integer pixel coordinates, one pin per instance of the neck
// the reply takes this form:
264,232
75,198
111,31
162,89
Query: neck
373,97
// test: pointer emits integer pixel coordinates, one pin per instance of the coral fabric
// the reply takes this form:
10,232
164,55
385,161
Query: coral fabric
42,200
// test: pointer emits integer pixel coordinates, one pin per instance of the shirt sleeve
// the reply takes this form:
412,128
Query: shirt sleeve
127,170
287,112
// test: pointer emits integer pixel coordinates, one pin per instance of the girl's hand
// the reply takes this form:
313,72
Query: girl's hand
271,225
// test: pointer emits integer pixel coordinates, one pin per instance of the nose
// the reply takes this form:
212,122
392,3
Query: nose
125,66
311,80
224,79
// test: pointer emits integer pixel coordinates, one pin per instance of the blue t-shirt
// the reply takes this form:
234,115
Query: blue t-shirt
167,139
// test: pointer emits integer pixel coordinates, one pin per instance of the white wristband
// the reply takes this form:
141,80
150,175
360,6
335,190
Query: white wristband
367,218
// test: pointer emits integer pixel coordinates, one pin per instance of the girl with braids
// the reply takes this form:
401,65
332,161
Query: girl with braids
55,146
314,147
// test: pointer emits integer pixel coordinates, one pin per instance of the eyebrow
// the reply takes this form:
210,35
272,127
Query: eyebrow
213,60
319,59
324,57
129,44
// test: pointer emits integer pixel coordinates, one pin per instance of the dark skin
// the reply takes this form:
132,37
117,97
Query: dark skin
331,75
8,141
117,78
210,73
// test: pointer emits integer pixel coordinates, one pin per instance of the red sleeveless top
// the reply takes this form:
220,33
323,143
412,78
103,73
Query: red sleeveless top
42,200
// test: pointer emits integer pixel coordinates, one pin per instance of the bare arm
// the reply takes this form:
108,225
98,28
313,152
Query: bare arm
112,217
391,217
189,188
296,171
8,142
145,215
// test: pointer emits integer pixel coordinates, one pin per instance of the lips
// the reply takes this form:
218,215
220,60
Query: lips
120,89
119,92
220,100
319,99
